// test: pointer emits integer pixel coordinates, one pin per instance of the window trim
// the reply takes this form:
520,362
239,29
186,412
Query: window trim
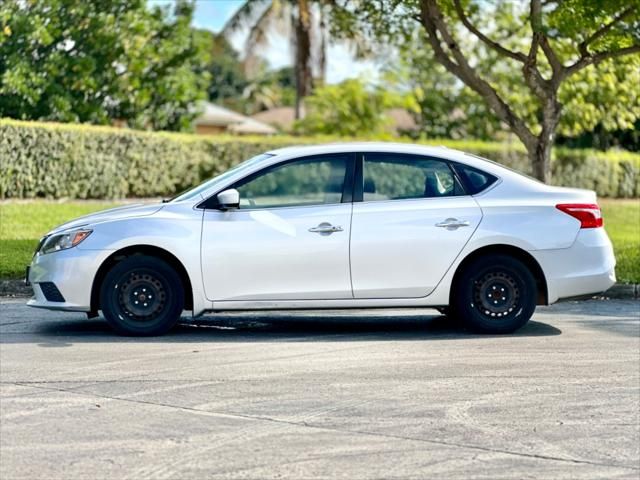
211,202
359,177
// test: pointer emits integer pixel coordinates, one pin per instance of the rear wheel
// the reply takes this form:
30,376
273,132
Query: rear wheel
495,294
142,296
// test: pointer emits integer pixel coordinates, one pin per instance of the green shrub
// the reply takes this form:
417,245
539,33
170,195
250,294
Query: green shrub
77,161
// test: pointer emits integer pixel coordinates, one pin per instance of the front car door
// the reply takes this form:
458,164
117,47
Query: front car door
410,221
289,240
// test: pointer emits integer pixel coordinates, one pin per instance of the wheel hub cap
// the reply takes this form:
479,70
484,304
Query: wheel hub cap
496,294
142,296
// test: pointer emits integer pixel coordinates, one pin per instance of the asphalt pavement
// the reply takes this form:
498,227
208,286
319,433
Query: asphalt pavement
356,395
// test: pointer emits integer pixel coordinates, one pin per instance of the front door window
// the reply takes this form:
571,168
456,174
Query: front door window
316,181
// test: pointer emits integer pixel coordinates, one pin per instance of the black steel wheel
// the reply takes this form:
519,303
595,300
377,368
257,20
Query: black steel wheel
142,296
494,294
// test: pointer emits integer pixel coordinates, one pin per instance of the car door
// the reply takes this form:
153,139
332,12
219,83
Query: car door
289,238
411,219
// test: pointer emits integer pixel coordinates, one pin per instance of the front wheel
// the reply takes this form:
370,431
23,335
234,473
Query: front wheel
495,294
142,296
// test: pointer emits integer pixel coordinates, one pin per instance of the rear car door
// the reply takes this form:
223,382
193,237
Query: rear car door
411,219
289,240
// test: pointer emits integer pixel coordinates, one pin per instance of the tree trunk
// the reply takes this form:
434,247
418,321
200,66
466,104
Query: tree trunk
540,150
304,78
540,157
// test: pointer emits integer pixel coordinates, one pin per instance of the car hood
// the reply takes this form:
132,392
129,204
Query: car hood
117,213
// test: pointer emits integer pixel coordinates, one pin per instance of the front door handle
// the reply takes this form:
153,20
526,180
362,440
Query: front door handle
452,224
326,229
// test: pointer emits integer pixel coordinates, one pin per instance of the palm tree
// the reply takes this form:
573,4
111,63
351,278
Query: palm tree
302,21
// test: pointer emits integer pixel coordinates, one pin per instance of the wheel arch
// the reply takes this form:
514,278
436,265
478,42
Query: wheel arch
503,249
148,250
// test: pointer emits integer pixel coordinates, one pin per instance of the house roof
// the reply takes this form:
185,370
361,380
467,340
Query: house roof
282,117
249,126
215,115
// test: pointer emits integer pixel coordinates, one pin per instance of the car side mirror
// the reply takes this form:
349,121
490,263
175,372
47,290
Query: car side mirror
228,199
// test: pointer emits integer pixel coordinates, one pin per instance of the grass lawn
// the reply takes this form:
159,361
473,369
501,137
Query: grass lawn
23,223
622,223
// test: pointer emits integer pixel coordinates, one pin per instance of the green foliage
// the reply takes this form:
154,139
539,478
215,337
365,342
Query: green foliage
349,108
75,161
96,61
606,96
228,80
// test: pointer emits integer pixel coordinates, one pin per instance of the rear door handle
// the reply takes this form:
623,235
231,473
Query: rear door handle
452,224
326,228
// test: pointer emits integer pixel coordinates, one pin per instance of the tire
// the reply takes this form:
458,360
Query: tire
142,296
494,294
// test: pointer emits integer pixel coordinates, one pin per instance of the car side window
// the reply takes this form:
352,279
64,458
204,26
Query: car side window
475,180
315,181
395,177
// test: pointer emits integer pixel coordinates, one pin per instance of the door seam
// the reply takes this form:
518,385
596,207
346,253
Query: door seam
353,296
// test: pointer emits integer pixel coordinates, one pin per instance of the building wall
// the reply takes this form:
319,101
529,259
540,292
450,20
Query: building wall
210,129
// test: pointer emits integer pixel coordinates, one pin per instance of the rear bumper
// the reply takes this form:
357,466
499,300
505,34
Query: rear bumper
587,267
72,272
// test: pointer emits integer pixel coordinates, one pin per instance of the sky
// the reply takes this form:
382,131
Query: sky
213,14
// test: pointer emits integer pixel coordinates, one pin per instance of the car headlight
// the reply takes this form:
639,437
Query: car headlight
62,241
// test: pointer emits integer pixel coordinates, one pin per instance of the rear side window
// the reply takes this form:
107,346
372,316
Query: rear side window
475,181
389,176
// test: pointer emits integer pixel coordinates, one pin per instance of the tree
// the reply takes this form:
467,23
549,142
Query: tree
79,61
603,98
292,17
228,80
446,108
349,109
270,89
551,42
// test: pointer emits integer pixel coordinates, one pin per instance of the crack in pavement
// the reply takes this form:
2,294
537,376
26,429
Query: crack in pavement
340,430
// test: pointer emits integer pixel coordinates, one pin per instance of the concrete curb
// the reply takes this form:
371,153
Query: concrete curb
623,290
17,288
14,288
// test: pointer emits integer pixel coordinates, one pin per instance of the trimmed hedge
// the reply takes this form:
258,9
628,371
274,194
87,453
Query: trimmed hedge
78,161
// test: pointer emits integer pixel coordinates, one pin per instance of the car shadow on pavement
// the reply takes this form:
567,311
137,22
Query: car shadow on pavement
243,327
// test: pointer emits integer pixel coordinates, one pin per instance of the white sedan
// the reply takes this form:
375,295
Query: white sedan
334,226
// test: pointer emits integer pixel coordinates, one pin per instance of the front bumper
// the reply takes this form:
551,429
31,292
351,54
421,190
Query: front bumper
72,272
587,267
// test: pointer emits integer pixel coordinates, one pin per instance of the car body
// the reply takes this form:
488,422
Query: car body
337,226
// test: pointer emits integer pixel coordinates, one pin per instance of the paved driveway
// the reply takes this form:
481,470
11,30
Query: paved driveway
363,395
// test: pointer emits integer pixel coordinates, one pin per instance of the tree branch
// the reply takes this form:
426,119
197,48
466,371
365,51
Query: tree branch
595,58
582,47
494,45
532,75
556,65
431,19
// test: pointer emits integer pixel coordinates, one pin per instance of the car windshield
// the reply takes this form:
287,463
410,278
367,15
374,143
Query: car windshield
203,187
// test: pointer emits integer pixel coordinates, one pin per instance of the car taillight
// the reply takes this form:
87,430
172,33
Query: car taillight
588,213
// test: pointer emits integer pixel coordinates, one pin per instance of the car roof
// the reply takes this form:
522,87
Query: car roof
391,147
396,147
